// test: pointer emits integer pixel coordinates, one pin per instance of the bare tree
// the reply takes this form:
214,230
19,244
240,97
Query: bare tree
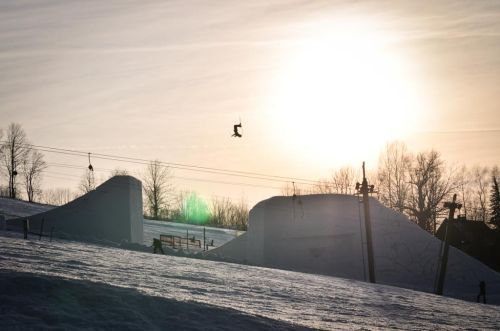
240,215
323,186
118,172
218,210
14,152
87,183
430,184
480,189
158,189
32,167
57,197
177,205
473,186
289,189
342,181
464,181
393,175
227,214
495,171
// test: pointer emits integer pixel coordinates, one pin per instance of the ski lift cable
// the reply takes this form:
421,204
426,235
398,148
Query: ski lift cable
75,178
182,167
178,165
69,166
224,182
168,164
174,177
199,170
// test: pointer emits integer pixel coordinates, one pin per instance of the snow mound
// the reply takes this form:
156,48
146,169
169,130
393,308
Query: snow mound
111,212
324,234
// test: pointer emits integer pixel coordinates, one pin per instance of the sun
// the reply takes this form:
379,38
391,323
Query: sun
344,91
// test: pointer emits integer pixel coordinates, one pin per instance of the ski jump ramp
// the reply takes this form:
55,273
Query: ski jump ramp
111,212
325,234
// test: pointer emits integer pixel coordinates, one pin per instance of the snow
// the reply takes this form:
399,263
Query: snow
153,229
320,234
112,212
324,234
12,208
63,284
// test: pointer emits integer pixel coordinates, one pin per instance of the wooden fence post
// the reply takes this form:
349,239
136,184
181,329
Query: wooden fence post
41,229
26,228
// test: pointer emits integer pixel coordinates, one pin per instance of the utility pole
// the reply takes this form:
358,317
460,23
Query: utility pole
365,189
444,257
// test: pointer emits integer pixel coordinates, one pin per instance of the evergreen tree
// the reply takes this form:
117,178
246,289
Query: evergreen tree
495,204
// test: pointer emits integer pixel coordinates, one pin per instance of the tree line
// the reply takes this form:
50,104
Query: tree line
162,202
417,185
22,167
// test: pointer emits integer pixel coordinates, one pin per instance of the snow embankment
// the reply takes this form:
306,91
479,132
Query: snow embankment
325,234
13,208
75,285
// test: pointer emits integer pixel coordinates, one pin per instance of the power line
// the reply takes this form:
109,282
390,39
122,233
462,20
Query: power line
465,131
174,165
76,178
173,176
180,166
65,176
223,182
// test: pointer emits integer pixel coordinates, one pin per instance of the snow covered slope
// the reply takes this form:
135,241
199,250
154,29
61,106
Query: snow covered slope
12,208
324,234
73,285
153,229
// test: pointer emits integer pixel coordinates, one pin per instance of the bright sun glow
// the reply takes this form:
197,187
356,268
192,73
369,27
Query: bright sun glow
335,91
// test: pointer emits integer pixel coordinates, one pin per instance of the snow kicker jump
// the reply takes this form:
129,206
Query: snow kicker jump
111,212
325,234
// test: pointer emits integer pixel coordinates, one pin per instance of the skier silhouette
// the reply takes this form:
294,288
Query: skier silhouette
157,248
235,129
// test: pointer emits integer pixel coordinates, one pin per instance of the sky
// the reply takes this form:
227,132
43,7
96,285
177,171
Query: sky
315,84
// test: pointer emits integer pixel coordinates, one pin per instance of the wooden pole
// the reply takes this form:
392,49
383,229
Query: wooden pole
444,258
26,228
41,229
368,227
